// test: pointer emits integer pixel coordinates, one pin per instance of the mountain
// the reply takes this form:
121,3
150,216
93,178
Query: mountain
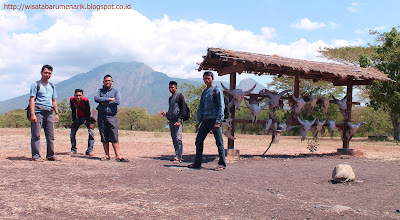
139,84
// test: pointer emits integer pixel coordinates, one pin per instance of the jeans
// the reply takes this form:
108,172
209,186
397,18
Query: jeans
206,126
74,129
46,120
176,135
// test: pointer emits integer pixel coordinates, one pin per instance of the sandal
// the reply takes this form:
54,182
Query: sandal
122,160
104,158
194,166
220,167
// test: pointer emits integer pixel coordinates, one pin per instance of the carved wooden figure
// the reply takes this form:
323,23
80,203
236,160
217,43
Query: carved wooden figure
306,125
237,95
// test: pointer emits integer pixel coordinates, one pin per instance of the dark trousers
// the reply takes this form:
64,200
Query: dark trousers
79,122
206,126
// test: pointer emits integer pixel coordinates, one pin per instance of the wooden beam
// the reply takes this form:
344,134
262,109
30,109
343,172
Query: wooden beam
354,82
238,68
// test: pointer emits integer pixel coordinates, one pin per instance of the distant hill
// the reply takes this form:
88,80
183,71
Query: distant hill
139,84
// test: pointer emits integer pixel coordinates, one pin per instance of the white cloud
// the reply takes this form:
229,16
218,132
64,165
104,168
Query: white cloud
75,44
354,7
306,24
268,32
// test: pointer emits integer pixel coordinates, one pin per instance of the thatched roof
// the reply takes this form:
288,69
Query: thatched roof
229,61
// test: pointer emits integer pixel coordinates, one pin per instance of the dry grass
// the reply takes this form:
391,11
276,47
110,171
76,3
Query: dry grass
135,144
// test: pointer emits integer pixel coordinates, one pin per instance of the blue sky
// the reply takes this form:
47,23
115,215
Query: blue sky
172,36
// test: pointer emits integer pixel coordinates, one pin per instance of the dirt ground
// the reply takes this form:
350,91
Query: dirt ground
287,183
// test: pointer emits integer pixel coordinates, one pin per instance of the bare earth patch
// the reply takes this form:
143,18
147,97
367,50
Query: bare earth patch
287,183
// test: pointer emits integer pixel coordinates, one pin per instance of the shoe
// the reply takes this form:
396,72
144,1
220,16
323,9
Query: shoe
37,159
72,152
53,159
176,160
122,160
220,167
89,154
194,166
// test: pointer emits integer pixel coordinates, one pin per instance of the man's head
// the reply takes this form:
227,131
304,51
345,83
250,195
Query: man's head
173,86
46,72
208,78
78,95
108,81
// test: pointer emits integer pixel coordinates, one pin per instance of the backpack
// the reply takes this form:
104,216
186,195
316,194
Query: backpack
28,110
226,102
185,109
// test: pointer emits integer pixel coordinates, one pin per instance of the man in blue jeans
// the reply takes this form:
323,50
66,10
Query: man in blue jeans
210,115
80,107
42,103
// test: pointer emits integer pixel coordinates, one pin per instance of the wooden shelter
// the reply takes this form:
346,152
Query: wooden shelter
233,62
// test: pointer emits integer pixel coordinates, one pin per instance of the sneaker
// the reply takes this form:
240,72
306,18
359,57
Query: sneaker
53,159
73,152
37,159
176,160
89,154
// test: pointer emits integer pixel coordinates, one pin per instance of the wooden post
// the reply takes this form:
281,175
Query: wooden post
346,142
296,91
232,85
231,153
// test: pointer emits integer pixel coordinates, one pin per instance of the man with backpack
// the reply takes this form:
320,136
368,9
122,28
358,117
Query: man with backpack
80,107
177,112
42,103
210,115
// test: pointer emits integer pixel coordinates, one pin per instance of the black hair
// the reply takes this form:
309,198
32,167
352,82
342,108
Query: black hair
78,90
208,73
107,76
173,83
47,66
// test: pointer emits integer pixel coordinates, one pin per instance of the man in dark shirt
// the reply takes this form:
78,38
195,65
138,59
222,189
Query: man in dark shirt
108,98
175,117
81,115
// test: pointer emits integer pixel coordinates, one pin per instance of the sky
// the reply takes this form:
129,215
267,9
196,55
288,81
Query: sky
171,36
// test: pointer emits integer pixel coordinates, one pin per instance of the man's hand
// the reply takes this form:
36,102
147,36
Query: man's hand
112,99
57,119
33,118
197,127
91,126
177,124
217,125
163,114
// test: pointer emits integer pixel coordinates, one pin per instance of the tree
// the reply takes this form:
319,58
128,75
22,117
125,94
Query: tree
307,87
64,113
16,119
135,118
386,57
192,97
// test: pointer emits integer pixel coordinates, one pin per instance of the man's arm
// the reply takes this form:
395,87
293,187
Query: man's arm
32,109
182,109
200,111
73,110
57,119
87,110
221,106
99,99
117,98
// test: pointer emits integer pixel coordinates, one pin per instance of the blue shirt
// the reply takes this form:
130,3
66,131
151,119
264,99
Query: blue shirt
45,95
108,108
210,108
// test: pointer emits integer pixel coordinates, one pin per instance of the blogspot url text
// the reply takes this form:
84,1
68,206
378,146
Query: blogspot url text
23,6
